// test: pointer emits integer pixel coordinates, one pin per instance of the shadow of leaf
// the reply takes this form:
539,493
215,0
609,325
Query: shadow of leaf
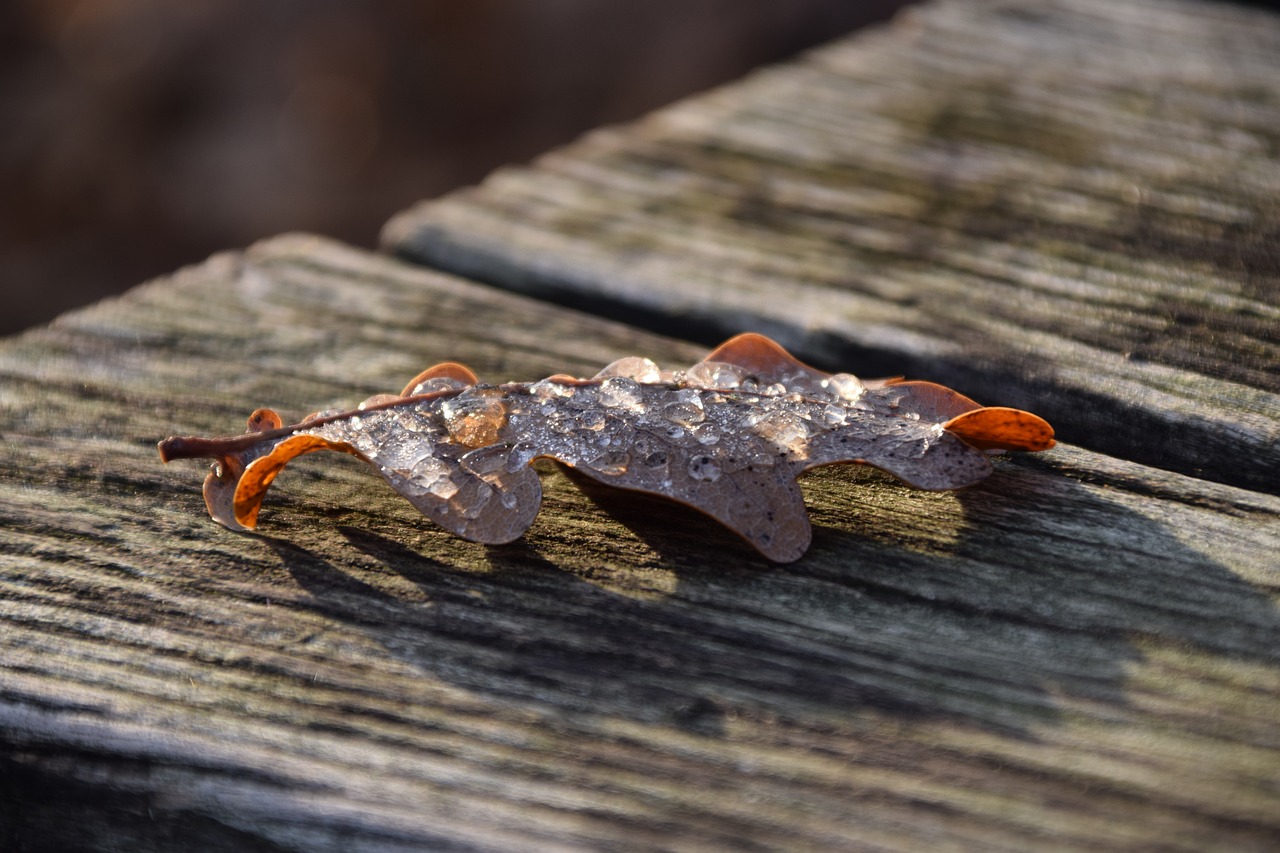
1041,588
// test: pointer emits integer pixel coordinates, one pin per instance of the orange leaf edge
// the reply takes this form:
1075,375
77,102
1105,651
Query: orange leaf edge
261,472
446,370
1002,428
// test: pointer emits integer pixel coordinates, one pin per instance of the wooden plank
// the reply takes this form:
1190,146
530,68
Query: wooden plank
1081,653
1071,206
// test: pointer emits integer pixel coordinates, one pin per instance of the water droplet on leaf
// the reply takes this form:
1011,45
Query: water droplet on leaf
704,468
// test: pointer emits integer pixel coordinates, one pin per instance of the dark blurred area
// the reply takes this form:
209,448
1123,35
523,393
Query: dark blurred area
141,135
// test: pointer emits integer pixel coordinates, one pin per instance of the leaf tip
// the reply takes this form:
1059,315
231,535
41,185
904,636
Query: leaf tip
761,355
1001,428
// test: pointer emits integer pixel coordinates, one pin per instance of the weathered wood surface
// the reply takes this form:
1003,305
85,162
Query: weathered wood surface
1081,653
1072,206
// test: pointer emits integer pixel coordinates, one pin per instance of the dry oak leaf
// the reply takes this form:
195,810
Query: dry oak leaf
728,436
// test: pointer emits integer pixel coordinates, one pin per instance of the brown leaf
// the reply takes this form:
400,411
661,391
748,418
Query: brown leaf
728,436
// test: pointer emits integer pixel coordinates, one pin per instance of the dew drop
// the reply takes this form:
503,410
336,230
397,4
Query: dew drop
686,407
592,419
684,414
833,415
715,374
473,421
436,384
706,433
618,392
704,468
613,463
808,386
633,367
656,459
844,385
782,429
545,389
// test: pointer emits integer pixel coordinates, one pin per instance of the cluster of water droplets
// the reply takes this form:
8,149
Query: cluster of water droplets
659,428
634,424
407,441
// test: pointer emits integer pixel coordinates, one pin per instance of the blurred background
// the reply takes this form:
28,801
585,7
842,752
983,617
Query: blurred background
140,135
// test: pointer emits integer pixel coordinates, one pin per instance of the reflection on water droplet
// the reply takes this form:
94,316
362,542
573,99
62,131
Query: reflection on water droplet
592,420
685,409
683,414
545,389
621,393
706,433
473,420
782,429
715,374
438,383
704,468
656,459
808,386
633,367
844,385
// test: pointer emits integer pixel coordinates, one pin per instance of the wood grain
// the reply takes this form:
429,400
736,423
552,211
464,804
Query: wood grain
1069,206
1081,653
